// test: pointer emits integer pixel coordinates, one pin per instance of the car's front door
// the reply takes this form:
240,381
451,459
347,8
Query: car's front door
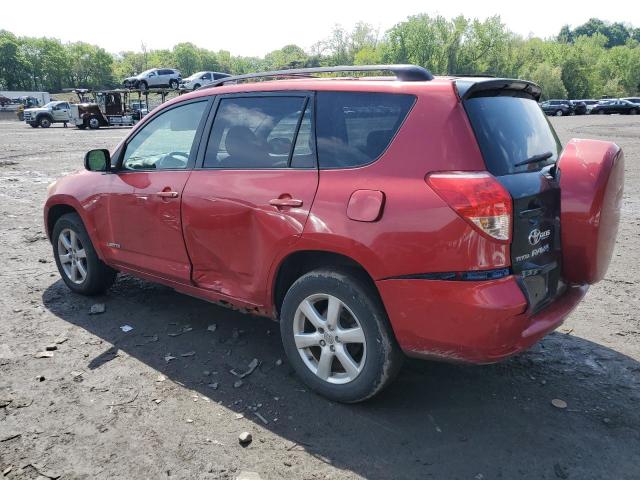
156,162
61,112
153,78
248,199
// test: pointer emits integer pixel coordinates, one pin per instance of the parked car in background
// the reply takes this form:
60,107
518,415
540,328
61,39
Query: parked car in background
588,102
154,78
608,107
557,107
201,79
413,214
579,107
45,116
635,100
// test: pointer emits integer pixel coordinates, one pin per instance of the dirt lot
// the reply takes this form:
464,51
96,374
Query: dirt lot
111,406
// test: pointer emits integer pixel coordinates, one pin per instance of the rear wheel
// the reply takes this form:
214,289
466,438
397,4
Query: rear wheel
44,122
77,261
633,111
337,336
173,84
94,123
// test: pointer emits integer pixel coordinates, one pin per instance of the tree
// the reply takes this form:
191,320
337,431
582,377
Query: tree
289,56
550,79
187,58
11,64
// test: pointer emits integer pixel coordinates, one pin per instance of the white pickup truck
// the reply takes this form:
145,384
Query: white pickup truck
52,112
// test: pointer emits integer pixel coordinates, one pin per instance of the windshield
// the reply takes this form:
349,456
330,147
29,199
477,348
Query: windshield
51,104
196,75
147,72
511,130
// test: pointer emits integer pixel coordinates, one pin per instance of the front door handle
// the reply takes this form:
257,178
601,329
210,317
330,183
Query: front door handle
285,202
168,194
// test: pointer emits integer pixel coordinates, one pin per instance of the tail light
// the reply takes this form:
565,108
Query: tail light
478,198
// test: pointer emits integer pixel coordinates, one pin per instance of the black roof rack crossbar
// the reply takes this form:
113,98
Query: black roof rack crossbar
405,73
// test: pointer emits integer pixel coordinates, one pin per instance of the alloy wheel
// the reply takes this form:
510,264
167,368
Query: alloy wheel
72,255
329,338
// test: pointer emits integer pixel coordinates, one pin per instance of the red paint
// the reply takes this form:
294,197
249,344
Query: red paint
227,232
365,205
479,322
232,230
591,181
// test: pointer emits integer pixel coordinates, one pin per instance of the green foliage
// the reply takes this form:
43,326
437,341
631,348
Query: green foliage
591,60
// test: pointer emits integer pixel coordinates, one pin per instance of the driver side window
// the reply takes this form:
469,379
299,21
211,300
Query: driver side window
166,141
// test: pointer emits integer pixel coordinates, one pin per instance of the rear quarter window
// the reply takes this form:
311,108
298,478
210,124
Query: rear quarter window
355,128
510,130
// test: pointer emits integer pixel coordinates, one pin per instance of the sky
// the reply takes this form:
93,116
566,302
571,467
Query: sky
254,28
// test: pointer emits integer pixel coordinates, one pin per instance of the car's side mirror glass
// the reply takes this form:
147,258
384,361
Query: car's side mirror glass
97,160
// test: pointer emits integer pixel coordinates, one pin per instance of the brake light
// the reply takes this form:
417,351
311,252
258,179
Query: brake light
478,198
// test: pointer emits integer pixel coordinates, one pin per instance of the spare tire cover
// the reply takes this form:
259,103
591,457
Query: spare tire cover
591,182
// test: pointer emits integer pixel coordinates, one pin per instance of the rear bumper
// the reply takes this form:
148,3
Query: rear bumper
476,322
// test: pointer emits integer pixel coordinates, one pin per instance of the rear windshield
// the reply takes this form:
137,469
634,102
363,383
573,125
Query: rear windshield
511,130
354,128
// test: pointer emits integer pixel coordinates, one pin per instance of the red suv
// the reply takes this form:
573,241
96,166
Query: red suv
437,217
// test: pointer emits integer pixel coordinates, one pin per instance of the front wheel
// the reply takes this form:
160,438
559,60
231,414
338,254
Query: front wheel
559,113
77,261
337,336
196,86
633,111
143,85
44,122
600,112
34,124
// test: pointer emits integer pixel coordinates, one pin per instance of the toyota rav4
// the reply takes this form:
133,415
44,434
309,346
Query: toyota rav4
374,217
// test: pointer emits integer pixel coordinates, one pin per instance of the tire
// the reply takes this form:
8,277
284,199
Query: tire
559,113
82,126
34,124
375,355
633,111
93,122
44,122
98,276
173,84
196,86
142,85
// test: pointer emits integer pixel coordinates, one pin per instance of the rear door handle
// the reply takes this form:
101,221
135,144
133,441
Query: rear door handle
285,202
168,194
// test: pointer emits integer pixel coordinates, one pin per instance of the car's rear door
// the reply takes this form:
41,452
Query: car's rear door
250,195
520,149
146,234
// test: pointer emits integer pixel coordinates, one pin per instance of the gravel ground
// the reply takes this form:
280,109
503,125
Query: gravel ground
108,403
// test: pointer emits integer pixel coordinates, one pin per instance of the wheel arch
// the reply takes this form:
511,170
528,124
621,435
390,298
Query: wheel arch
44,114
60,205
300,262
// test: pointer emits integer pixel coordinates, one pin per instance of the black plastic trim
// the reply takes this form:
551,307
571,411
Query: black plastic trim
469,276
404,73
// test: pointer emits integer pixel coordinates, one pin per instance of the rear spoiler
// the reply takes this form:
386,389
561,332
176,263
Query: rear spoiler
481,87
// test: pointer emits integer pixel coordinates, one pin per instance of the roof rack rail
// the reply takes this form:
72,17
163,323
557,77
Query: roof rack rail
405,73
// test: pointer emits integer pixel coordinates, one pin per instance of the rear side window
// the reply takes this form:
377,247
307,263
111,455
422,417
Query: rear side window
511,130
354,128
255,132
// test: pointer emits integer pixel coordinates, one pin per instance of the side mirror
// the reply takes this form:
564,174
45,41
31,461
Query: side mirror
98,160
